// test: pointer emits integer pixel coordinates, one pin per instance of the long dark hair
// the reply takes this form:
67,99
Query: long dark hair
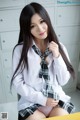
25,36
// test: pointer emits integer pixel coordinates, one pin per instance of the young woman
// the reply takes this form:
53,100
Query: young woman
41,66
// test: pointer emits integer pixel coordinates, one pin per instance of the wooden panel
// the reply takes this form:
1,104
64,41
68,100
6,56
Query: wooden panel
68,35
7,78
9,40
9,20
11,3
69,15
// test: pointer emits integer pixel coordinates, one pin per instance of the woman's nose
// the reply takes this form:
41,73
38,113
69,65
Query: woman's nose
40,28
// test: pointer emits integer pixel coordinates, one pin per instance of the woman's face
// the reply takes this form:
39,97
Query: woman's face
39,28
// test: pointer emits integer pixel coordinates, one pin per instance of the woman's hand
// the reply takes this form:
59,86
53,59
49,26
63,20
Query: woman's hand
53,47
51,102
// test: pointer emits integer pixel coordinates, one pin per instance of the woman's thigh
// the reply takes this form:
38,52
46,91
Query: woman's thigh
45,110
37,115
58,111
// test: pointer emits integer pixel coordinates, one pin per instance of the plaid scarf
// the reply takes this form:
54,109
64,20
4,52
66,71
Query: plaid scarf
44,72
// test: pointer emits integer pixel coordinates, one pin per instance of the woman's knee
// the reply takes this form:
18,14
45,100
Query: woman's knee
37,115
57,111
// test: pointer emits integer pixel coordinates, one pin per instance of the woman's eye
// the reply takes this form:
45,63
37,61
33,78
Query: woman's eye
32,26
42,21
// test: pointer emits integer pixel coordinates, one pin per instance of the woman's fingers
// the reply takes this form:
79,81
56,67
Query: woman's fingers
52,102
54,48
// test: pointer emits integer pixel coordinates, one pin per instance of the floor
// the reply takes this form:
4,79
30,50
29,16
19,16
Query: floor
11,108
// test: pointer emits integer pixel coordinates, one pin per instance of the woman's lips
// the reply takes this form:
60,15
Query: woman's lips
42,33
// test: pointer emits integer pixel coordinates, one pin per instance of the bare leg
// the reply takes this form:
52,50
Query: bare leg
57,111
37,115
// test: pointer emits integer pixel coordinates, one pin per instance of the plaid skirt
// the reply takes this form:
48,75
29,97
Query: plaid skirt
25,113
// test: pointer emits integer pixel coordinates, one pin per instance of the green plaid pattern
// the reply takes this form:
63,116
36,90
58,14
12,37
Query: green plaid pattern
44,72
23,114
44,68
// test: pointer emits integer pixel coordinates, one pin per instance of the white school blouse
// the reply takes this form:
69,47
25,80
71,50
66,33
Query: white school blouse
29,85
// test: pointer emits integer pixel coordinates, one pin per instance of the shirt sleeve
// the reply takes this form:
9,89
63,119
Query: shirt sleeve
60,68
26,91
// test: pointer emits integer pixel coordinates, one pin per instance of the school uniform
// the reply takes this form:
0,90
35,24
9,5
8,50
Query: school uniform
30,86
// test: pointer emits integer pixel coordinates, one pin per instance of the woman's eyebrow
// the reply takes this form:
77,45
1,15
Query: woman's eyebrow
35,23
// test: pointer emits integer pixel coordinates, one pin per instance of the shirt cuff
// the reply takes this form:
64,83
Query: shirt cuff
59,61
41,99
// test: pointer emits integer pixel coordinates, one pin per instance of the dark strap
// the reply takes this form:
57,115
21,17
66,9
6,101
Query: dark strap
44,68
44,72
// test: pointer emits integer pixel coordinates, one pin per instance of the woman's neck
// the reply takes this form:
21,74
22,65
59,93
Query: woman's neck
42,45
